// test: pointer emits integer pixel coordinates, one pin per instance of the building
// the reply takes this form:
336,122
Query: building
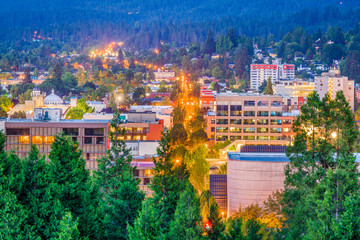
91,136
294,88
331,82
218,188
253,175
164,74
250,117
207,99
261,72
163,113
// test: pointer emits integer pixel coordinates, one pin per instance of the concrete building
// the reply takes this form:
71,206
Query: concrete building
331,82
163,74
261,72
253,176
163,113
293,88
207,99
248,117
91,136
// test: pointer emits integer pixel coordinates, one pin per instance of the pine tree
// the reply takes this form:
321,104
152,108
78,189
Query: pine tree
322,173
57,71
187,217
167,183
210,44
269,89
27,76
147,224
216,225
73,185
121,194
68,228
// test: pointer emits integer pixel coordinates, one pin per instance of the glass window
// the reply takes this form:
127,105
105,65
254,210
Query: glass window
88,140
249,137
94,132
249,103
263,121
24,139
275,137
233,138
276,103
263,103
213,129
235,129
262,137
100,140
275,130
276,113
286,121
222,129
275,122
49,139
249,121
249,130
37,140
235,110
221,138
222,121
262,130
71,131
263,113
286,130
222,110
235,121
213,121
18,131
249,113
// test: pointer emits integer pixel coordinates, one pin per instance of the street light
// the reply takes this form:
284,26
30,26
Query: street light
333,135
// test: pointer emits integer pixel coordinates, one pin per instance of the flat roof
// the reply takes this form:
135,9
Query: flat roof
61,121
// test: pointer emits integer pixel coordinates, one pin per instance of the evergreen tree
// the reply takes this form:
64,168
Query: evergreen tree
68,228
57,72
269,90
187,217
216,226
147,224
27,76
167,183
234,229
73,185
322,174
120,190
242,61
255,230
210,44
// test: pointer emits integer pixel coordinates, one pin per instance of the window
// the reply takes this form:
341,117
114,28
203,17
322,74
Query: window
100,140
49,139
88,156
136,173
262,130
235,121
37,140
275,122
275,138
235,110
286,121
263,121
276,113
263,113
249,130
222,110
263,103
71,131
221,129
249,113
213,121
275,130
235,129
213,129
233,138
222,121
249,137
276,103
249,121
262,137
24,139
286,130
88,140
221,138
249,103
18,131
74,139
94,132
146,181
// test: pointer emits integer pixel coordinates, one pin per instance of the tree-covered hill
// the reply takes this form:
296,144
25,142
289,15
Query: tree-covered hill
144,23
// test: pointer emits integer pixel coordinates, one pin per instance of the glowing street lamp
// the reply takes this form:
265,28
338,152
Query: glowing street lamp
333,135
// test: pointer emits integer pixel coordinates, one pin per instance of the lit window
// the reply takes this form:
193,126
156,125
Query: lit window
37,139
24,139
49,139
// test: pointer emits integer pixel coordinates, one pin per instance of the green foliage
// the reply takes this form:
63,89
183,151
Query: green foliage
322,175
121,196
269,90
179,114
5,105
147,225
68,228
187,219
18,115
78,112
217,225
178,134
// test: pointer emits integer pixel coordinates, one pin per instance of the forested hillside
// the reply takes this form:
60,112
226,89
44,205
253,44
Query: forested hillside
144,23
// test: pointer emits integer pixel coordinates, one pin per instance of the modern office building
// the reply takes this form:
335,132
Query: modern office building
248,117
218,188
293,88
261,72
332,82
91,136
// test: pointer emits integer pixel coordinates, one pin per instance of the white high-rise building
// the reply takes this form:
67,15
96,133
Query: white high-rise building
261,72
